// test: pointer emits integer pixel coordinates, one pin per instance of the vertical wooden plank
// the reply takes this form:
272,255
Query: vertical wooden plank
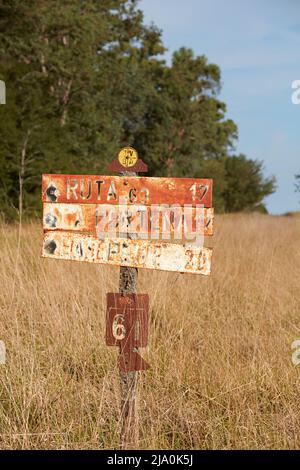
129,380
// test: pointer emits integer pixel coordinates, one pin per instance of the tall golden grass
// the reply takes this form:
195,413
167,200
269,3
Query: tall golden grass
220,346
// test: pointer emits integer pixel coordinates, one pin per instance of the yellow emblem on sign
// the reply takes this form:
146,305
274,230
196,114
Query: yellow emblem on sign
128,156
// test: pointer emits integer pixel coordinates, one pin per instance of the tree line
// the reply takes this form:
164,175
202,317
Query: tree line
86,77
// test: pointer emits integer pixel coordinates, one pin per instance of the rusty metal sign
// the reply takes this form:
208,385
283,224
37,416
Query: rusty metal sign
127,327
130,190
127,252
95,218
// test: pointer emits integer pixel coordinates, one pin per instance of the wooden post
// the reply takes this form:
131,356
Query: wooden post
128,380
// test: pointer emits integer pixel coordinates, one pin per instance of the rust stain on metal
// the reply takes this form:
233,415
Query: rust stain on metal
138,167
87,189
143,220
131,360
127,252
84,217
127,327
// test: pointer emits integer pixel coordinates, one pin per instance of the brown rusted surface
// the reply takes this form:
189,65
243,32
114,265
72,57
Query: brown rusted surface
143,220
138,167
131,361
86,189
127,320
127,252
127,327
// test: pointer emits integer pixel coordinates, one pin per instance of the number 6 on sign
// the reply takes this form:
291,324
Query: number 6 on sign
118,327
127,327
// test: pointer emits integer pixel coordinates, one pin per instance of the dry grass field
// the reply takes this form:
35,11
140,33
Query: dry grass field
220,346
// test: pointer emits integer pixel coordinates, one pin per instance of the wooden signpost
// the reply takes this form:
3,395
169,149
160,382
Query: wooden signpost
132,222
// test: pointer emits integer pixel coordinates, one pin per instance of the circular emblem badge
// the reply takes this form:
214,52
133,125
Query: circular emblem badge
128,157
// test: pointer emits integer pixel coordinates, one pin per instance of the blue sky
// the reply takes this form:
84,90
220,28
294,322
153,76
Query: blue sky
256,43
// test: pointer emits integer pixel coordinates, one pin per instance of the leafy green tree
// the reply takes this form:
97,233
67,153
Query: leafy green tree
246,185
75,89
185,121
185,132
87,77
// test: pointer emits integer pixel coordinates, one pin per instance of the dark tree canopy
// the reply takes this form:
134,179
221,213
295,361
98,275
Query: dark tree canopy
85,78
246,186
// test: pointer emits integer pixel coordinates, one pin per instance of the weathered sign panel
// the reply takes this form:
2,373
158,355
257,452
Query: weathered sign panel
87,189
95,218
127,327
127,252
